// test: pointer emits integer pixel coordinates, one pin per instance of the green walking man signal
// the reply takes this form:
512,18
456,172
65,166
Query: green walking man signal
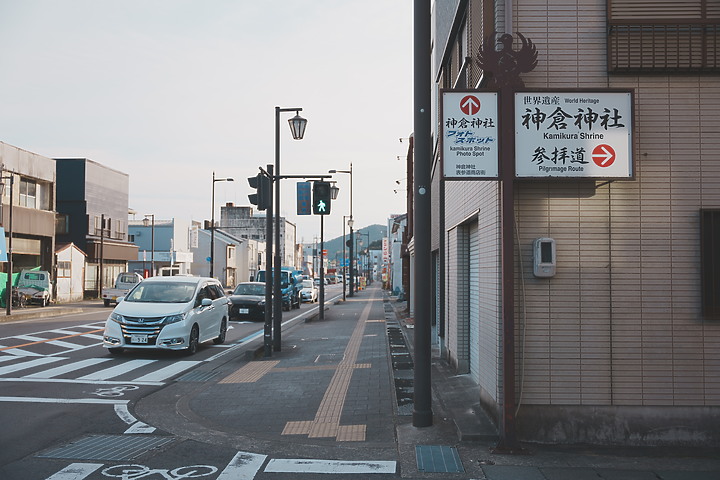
321,198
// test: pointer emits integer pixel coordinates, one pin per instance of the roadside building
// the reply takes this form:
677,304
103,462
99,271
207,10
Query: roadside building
70,273
31,178
620,342
92,206
236,259
240,222
164,247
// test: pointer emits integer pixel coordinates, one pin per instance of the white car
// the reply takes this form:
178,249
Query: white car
168,313
309,292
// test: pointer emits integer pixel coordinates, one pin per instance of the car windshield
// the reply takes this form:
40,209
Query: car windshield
159,292
249,289
307,283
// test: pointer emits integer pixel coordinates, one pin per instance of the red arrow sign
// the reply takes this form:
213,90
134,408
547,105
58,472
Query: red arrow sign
470,105
603,155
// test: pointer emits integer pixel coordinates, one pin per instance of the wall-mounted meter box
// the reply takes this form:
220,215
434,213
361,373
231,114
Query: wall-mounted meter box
544,257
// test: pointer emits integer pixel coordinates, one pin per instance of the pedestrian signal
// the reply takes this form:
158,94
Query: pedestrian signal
321,198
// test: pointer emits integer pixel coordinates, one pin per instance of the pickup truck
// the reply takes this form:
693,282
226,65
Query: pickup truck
35,285
290,286
123,283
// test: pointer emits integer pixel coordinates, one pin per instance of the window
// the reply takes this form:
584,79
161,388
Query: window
710,262
28,193
63,269
664,36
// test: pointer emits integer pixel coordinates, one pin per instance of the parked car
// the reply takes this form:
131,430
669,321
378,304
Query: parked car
123,283
35,286
168,313
290,286
309,292
248,301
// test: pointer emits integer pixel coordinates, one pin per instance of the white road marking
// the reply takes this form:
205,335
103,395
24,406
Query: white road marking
19,352
71,401
167,372
117,370
243,466
75,380
288,465
26,365
76,471
63,369
57,343
135,426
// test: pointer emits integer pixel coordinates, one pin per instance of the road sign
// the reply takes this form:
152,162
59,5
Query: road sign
573,134
470,105
3,251
603,155
303,198
469,135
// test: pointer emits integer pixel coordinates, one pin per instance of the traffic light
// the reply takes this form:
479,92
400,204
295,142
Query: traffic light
261,198
321,198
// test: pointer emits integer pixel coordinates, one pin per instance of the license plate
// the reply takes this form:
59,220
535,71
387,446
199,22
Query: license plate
138,339
243,311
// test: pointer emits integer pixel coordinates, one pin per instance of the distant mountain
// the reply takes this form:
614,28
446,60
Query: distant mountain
334,246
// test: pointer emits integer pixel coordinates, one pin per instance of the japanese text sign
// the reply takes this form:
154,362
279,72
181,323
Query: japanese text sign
469,135
573,134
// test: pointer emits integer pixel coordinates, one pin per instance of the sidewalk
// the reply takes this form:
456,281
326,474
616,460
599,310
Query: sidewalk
341,389
36,311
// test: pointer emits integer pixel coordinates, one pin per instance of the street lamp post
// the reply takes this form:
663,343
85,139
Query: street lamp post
344,268
350,224
146,222
8,285
297,128
212,224
351,245
367,252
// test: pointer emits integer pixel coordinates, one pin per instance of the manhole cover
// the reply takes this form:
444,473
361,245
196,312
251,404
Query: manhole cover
107,447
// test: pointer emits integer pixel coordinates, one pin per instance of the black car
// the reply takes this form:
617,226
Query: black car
248,301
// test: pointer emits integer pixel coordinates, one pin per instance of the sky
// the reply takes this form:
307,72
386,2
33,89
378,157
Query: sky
170,91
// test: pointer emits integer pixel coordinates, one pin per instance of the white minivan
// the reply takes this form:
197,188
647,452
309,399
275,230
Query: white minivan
169,313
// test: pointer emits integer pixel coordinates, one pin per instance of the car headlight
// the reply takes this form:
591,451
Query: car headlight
174,319
116,317
261,303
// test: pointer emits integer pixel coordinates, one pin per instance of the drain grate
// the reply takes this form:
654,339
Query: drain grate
197,376
438,459
107,447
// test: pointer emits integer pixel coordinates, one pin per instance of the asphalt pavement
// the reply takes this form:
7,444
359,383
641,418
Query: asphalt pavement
341,388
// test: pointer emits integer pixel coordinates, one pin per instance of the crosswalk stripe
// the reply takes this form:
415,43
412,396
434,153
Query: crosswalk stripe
117,370
63,369
18,352
167,372
289,465
27,365
57,343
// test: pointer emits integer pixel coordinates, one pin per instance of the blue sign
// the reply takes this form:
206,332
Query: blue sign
3,249
304,198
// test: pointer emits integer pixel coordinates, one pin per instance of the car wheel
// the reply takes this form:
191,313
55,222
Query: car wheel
43,302
193,341
115,350
106,303
223,332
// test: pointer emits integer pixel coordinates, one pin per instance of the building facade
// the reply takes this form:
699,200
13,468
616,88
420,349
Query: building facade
92,206
164,247
622,344
241,223
236,259
31,180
